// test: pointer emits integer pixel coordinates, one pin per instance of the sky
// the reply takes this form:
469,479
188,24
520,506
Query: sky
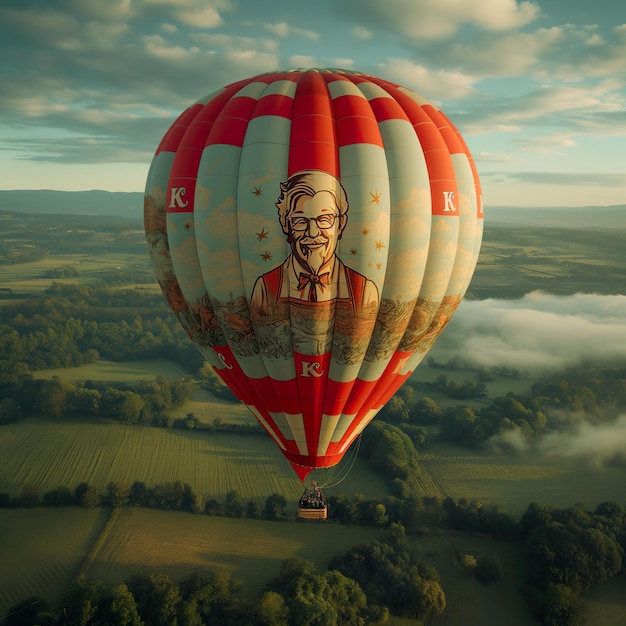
537,89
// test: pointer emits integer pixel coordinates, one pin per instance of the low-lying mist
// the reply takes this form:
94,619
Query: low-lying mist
543,333
540,332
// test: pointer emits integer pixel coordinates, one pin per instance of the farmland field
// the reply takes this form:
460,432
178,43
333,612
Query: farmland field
144,541
512,481
177,544
67,452
42,549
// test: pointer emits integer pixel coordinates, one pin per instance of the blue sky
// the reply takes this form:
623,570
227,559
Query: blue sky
536,88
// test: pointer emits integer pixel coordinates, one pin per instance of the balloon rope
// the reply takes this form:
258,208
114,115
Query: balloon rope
355,453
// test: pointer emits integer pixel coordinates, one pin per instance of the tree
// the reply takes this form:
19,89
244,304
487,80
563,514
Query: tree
81,603
347,598
425,411
233,507
488,570
275,507
199,503
272,610
130,408
211,593
396,410
253,510
158,599
138,493
561,606
56,396
28,496
87,496
392,576
120,607
118,494
309,604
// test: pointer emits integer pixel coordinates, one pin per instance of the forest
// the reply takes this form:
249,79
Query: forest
568,550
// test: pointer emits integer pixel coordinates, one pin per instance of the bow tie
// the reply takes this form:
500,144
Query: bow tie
315,280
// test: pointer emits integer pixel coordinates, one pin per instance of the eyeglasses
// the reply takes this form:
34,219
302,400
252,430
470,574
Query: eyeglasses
323,221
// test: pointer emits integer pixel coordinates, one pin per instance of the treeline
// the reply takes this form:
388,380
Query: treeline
72,325
148,401
413,513
299,594
169,496
595,393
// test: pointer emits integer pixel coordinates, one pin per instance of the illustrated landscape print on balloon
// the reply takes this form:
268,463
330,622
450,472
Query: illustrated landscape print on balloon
313,231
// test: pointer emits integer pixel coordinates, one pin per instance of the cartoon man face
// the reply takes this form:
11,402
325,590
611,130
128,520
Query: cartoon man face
315,227
313,214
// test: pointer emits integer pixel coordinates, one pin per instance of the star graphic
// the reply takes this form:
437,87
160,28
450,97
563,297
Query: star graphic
353,251
379,245
262,235
365,231
375,197
188,225
378,265
266,256
257,191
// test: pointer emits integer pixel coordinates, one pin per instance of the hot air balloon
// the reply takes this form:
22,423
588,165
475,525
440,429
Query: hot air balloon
313,231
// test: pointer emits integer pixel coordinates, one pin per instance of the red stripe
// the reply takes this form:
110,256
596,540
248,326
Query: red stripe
312,109
467,152
312,376
436,154
337,394
229,131
351,130
387,109
351,106
313,128
172,138
289,394
359,394
446,129
274,104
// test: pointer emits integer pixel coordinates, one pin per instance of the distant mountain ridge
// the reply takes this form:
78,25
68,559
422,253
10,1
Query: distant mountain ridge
598,217
96,202
130,205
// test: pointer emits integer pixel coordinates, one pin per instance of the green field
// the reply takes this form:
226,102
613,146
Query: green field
43,550
143,541
512,481
67,452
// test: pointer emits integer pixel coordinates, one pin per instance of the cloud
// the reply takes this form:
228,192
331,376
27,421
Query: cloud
435,19
539,332
431,83
282,29
565,179
362,33
597,445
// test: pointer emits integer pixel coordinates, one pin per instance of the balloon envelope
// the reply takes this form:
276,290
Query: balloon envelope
313,231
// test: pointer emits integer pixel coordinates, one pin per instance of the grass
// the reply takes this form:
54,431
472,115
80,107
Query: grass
512,481
143,541
68,452
42,550
113,372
